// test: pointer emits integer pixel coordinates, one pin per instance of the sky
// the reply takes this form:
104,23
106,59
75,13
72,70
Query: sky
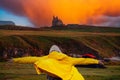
39,13
18,20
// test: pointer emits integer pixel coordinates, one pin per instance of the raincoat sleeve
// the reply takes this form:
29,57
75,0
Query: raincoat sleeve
84,61
26,59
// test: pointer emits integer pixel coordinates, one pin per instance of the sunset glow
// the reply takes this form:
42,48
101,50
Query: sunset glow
40,12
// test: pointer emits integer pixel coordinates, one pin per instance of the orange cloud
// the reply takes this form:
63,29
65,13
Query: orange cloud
79,11
40,12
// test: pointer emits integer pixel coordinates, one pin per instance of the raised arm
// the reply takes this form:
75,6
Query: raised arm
84,61
27,59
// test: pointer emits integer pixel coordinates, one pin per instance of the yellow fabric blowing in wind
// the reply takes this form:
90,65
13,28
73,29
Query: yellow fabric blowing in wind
58,64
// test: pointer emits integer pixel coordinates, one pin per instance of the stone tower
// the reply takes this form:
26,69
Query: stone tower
56,22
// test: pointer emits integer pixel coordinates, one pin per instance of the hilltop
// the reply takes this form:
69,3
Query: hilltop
69,27
7,23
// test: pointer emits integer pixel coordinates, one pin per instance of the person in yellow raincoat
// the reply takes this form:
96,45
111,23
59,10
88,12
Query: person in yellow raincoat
56,65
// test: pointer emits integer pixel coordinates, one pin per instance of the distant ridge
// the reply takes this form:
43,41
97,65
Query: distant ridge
14,27
7,23
69,27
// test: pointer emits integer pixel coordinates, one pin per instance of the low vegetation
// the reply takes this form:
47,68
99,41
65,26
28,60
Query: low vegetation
100,44
13,71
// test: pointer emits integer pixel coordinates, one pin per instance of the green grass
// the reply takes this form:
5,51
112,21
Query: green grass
58,33
10,71
13,71
106,44
109,73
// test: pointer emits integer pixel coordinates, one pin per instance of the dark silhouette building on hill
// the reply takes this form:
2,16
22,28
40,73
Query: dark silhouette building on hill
56,22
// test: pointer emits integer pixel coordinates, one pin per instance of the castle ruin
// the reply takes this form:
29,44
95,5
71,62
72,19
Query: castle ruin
56,22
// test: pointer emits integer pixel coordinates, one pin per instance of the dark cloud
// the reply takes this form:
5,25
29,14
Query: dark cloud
112,14
104,21
36,15
14,6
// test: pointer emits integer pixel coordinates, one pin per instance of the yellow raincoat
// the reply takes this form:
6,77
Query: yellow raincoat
56,64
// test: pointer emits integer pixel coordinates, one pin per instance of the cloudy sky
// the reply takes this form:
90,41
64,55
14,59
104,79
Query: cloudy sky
40,12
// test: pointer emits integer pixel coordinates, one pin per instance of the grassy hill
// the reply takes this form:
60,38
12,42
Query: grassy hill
104,44
81,28
100,41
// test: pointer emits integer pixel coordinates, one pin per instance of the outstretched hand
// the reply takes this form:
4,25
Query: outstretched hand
10,61
100,62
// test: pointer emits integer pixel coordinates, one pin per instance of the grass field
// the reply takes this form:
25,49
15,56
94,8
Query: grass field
58,33
13,71
104,43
